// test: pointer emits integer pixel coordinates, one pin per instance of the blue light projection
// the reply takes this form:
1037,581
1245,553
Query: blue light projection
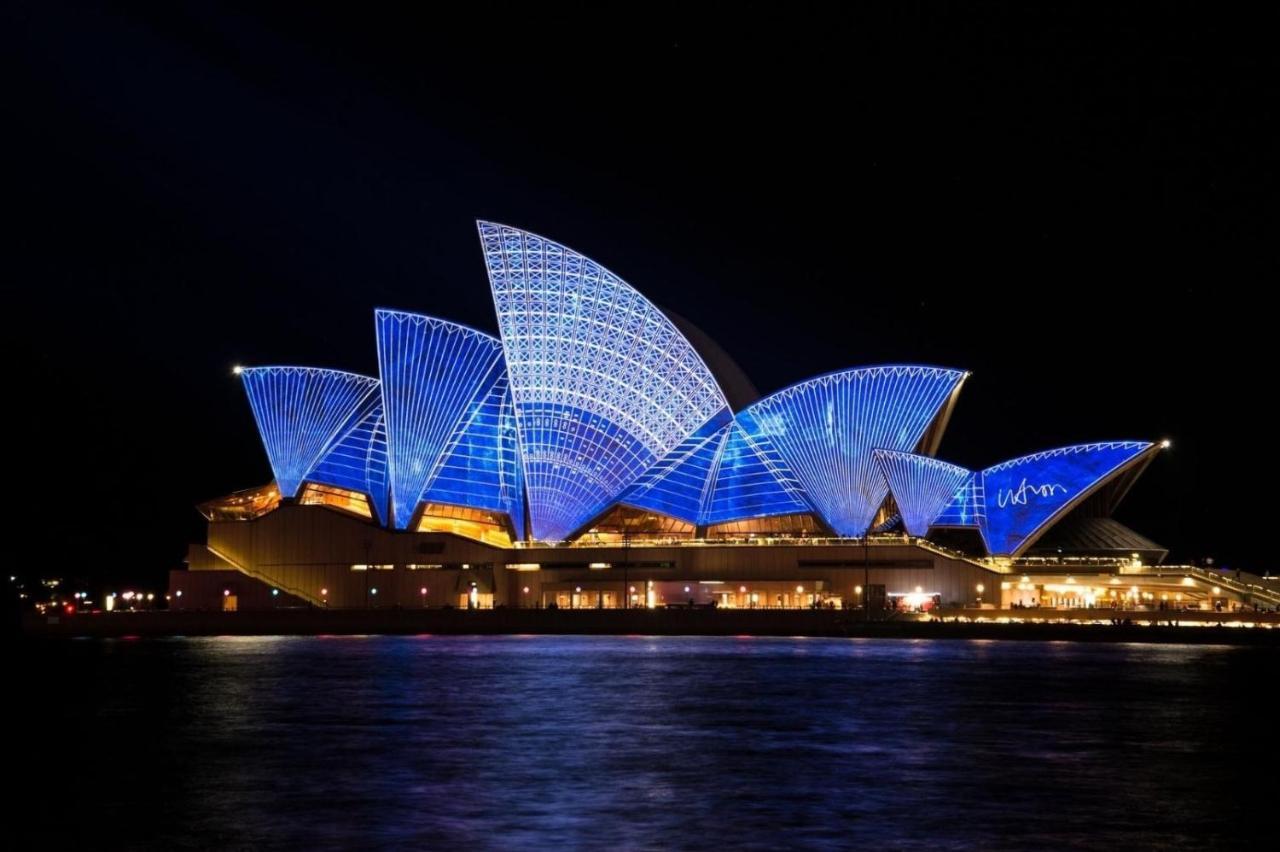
966,507
481,467
358,461
603,383
751,480
921,486
1025,495
826,428
678,484
432,373
301,412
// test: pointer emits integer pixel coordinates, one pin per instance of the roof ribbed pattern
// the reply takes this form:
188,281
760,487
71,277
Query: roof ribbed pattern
301,412
921,486
827,428
433,372
603,383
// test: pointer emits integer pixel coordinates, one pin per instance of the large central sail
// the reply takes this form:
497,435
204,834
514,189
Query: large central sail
603,383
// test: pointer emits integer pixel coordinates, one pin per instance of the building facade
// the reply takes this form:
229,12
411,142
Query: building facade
600,453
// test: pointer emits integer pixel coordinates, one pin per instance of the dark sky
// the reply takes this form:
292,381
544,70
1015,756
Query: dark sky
1078,207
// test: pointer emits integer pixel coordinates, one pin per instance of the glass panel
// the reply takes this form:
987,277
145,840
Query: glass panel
336,498
479,524
805,525
628,523
242,505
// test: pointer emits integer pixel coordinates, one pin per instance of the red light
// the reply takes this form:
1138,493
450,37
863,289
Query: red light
71,609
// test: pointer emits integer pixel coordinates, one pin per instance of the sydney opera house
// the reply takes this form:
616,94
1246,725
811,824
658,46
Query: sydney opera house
600,452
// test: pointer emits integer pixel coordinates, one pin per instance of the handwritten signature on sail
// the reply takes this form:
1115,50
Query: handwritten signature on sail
1020,495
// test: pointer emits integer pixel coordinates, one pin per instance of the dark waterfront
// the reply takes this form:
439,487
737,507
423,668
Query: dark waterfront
639,742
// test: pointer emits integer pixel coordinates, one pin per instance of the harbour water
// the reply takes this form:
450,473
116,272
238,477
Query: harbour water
640,743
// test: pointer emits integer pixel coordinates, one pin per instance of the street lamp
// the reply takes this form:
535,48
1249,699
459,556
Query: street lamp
980,589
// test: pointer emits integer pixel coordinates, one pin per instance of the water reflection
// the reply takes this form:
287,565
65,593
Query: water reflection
642,742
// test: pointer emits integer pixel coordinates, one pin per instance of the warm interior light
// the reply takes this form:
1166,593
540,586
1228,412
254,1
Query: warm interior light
478,524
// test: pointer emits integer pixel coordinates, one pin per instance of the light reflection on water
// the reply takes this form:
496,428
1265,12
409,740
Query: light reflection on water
644,742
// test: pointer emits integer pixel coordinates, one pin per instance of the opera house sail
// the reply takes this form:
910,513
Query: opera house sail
593,417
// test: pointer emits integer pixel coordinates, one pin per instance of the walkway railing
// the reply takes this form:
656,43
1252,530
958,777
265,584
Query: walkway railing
1248,586
309,597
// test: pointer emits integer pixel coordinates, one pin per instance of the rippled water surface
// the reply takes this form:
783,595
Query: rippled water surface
635,742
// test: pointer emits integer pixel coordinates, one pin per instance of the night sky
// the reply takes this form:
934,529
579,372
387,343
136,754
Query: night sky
1079,208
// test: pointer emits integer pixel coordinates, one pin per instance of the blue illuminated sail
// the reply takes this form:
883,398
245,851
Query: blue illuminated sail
1024,496
966,508
921,486
301,412
826,428
603,383
358,461
481,467
432,373
679,483
593,398
751,480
